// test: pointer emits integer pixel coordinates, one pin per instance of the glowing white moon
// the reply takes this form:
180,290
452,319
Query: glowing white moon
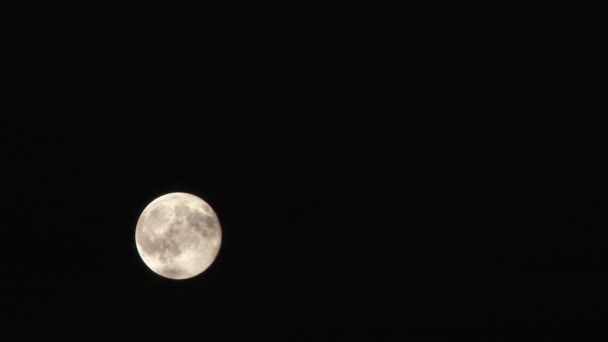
178,235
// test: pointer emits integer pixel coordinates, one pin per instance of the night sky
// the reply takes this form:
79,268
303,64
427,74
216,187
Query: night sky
357,201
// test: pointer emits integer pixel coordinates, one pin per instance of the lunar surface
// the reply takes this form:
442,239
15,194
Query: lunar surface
178,235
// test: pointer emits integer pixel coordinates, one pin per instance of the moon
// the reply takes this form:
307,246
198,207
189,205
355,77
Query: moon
178,235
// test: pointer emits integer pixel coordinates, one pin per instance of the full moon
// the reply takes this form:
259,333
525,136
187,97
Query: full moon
178,235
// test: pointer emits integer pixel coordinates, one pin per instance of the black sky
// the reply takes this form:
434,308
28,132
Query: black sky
361,195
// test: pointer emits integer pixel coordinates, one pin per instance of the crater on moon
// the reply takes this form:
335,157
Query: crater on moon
178,235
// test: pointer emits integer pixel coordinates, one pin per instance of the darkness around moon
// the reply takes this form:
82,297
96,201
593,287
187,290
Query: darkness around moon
385,200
